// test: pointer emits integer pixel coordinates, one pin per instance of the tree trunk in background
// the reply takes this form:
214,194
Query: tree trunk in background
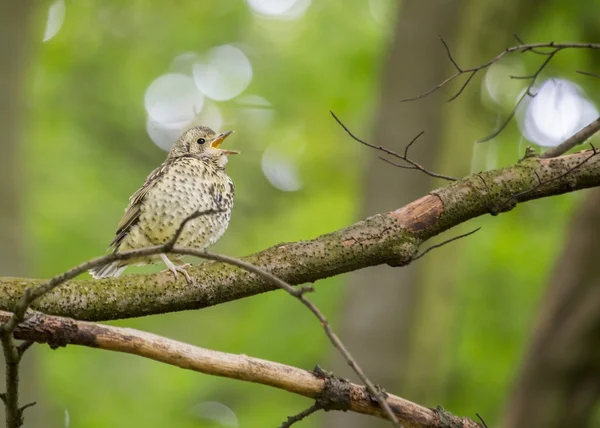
15,45
14,25
377,319
486,28
559,382
398,344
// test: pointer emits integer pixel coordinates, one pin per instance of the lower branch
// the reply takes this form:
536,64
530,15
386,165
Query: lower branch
330,392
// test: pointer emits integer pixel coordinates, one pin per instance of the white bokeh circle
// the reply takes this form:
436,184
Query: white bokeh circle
56,18
558,110
224,73
173,98
281,170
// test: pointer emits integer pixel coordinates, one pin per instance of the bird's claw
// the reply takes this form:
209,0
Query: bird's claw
175,269
185,273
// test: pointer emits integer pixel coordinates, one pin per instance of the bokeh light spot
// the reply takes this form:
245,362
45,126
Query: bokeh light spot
282,9
184,62
256,111
497,84
281,170
216,412
173,98
56,18
164,134
224,74
558,110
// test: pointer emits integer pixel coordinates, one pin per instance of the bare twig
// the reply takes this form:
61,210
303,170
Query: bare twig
24,346
449,53
536,48
482,420
299,294
526,93
291,420
587,73
441,244
522,48
31,295
573,141
558,177
404,157
535,51
171,242
13,353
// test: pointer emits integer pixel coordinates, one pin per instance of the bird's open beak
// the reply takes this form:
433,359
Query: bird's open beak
219,139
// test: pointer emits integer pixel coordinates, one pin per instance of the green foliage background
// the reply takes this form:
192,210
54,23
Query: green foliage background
87,150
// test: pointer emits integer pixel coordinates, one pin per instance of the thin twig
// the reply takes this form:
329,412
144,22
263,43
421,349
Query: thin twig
171,242
299,294
433,247
463,86
411,164
328,391
558,177
535,48
526,93
31,295
542,183
587,73
574,140
535,51
23,347
482,420
13,353
291,420
518,48
449,53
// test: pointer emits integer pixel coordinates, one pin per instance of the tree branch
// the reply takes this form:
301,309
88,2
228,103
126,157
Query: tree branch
12,354
573,140
330,392
391,238
409,163
549,50
522,48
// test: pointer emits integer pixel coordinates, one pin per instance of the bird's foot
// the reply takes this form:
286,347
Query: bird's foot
175,269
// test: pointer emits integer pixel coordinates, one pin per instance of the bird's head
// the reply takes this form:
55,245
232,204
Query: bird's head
203,142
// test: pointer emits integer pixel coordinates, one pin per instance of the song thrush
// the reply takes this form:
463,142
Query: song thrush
192,179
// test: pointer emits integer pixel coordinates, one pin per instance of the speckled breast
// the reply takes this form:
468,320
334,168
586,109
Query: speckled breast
190,185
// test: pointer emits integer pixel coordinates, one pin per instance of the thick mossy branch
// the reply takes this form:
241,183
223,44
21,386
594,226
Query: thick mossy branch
392,238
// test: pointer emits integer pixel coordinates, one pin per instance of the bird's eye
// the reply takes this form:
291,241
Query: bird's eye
201,141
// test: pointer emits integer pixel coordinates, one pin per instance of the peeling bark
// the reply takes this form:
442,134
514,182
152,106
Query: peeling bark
392,238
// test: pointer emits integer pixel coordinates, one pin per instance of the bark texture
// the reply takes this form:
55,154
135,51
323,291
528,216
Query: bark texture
329,391
391,238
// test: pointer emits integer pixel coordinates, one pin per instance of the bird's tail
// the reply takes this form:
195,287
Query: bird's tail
112,269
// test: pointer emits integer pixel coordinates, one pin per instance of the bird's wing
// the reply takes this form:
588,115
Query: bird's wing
133,211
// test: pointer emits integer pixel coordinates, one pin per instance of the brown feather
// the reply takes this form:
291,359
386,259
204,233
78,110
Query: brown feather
133,211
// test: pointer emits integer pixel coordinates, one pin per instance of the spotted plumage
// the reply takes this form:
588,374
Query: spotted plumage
191,179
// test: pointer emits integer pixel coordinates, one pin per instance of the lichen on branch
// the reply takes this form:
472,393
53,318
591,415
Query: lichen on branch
391,238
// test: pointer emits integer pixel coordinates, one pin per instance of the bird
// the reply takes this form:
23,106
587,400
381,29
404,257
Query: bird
192,180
